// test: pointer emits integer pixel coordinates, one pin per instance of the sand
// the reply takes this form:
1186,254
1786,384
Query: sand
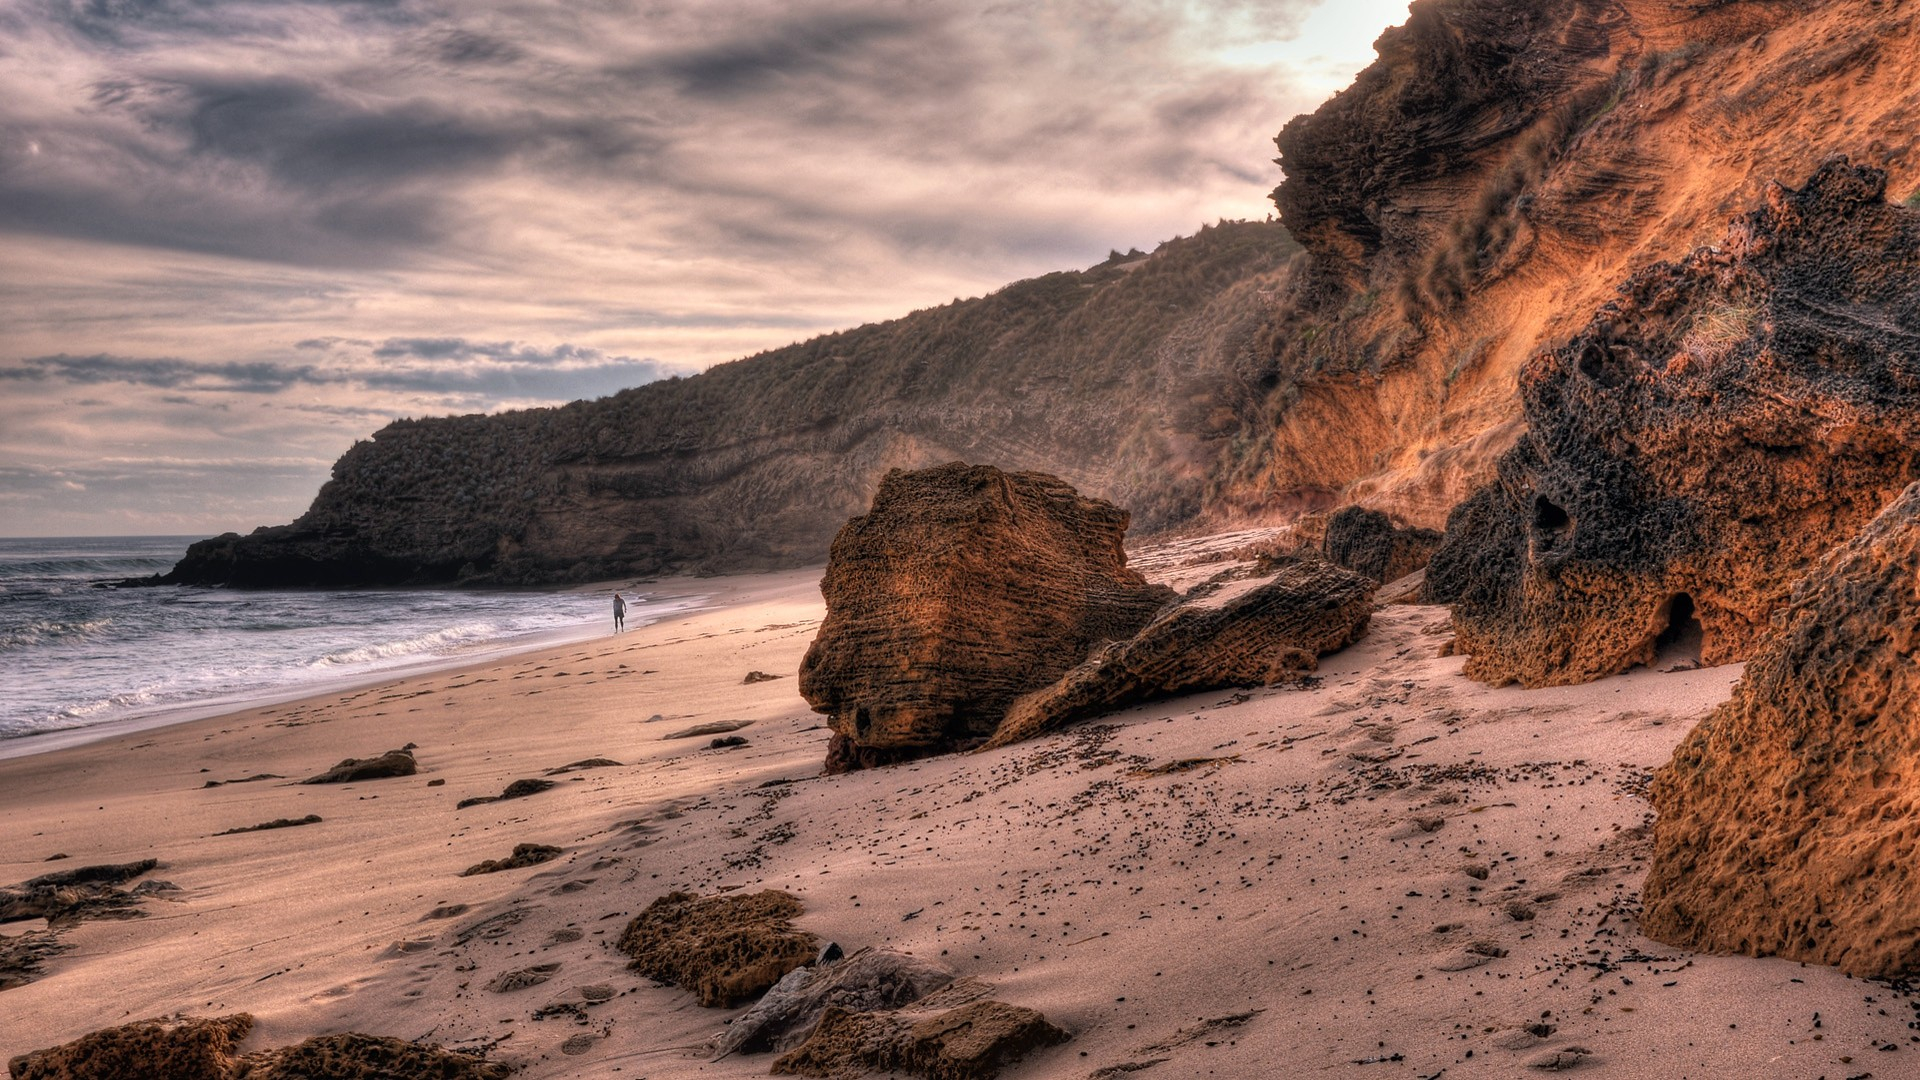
1394,872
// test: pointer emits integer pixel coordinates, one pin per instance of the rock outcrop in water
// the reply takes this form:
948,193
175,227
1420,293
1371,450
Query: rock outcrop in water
1709,436
1786,819
1256,631
961,589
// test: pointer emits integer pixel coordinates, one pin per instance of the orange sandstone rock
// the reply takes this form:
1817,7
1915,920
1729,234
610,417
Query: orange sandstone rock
1700,445
963,588
1787,819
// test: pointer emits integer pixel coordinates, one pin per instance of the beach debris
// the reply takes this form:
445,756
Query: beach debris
1203,1030
519,789
1783,827
712,727
391,763
587,763
523,855
759,677
197,1048
869,980
952,1034
65,897
961,589
1248,632
276,823
724,949
243,779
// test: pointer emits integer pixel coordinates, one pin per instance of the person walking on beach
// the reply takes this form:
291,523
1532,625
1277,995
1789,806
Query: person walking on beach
619,613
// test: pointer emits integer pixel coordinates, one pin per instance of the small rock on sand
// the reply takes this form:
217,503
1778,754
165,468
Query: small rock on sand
391,763
519,789
523,855
716,727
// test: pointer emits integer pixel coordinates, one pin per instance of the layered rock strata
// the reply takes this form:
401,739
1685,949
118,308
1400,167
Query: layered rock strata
1710,434
961,589
1786,820
1256,631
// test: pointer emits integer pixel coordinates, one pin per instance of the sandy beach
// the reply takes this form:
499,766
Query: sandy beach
1392,872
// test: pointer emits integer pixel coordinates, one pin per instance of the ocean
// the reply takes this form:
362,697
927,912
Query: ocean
73,656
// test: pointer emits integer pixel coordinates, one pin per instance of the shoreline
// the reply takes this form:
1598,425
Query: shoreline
1389,864
675,605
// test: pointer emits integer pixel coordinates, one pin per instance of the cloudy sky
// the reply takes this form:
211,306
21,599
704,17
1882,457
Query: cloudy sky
236,235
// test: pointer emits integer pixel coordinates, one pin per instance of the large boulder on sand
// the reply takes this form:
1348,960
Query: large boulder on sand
1368,542
1700,445
1256,631
1787,821
961,589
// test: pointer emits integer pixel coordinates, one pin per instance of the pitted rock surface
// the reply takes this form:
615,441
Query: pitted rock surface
1709,436
1786,818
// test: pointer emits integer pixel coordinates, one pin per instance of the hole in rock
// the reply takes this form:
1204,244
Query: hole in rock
1551,526
1681,636
1598,363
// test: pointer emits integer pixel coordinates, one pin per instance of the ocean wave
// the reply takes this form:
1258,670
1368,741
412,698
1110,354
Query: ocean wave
47,632
439,641
85,567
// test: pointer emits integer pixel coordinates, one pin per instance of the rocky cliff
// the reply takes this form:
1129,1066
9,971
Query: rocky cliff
1469,201
1786,819
1700,445
1119,378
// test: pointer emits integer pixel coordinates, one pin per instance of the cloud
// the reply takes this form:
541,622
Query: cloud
345,210
485,374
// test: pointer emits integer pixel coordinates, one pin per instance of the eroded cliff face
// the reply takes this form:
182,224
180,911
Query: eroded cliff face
1484,187
1700,445
1786,818
1469,201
